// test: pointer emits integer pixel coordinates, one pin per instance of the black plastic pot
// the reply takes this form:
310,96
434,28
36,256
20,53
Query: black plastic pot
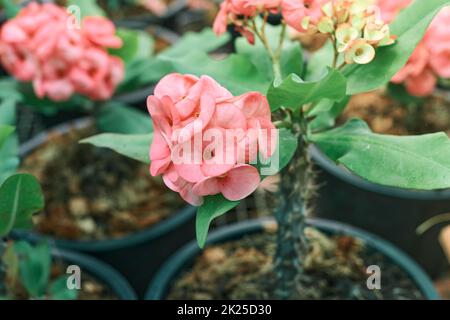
100,271
185,257
136,256
391,213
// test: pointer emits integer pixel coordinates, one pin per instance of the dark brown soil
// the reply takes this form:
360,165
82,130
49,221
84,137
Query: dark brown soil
388,116
335,268
94,193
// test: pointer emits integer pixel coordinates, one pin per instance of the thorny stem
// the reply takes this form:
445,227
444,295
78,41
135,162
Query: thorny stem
295,194
296,188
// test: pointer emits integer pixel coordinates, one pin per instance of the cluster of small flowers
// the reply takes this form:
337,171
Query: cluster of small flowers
356,26
44,45
431,58
204,138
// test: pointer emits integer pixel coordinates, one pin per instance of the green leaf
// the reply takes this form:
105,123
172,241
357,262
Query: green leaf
135,146
11,8
5,132
205,41
9,150
324,114
20,198
235,72
409,27
213,207
286,147
411,162
119,118
291,56
191,44
293,92
59,290
34,267
319,62
88,8
136,45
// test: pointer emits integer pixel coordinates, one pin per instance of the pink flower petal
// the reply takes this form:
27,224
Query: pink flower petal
207,187
239,182
174,86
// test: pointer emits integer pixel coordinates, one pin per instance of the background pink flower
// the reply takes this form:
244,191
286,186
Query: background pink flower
237,11
40,46
431,58
185,108
294,11
390,8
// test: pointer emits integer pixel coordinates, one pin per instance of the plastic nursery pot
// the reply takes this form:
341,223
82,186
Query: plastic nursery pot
137,256
100,271
391,213
185,257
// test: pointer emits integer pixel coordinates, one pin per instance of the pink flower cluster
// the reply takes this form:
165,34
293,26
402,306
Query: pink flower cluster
431,59
43,45
212,132
237,12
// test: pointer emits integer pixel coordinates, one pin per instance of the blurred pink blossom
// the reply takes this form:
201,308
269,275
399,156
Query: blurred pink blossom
431,59
39,46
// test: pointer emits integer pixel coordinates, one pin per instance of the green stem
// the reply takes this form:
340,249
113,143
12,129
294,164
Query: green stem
275,56
276,70
295,194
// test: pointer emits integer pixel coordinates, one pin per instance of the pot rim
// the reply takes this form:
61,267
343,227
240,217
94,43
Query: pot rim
321,159
178,261
153,232
100,270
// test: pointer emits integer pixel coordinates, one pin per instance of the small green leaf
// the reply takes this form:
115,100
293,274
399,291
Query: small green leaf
293,92
411,162
324,114
409,28
291,56
319,62
135,146
20,198
11,8
136,45
119,118
286,147
34,267
213,207
5,132
59,290
9,150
